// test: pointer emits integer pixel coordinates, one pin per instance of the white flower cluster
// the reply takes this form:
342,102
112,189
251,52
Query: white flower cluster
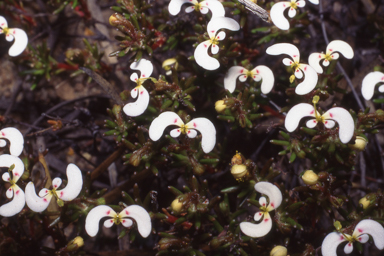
14,34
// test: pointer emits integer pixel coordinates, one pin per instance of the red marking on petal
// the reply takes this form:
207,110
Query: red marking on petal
360,230
123,221
175,120
294,56
254,76
212,31
45,200
284,5
55,186
201,8
46,191
61,194
143,75
341,238
314,121
325,122
135,89
206,4
16,174
260,214
218,37
2,134
319,56
8,179
273,205
194,125
141,92
330,114
245,76
290,62
126,212
266,220
312,112
241,71
382,78
330,50
178,130
359,238
111,221
349,244
2,24
14,32
17,192
263,204
193,7
257,71
205,45
135,79
297,70
108,212
10,189
189,131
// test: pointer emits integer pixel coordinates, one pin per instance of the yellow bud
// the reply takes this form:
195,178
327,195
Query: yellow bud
310,178
236,159
220,106
364,202
279,251
239,171
360,144
75,244
315,99
112,19
168,63
292,78
176,206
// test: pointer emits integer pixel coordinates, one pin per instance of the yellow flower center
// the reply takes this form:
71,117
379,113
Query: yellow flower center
197,7
293,4
214,40
318,117
59,201
117,219
6,31
183,129
294,65
328,57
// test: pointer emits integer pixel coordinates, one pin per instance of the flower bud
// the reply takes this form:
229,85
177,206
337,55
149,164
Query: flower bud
237,159
176,205
363,201
220,106
168,63
360,144
75,244
112,19
279,251
239,171
310,178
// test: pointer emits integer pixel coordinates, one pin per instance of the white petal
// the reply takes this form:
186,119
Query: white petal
134,78
15,138
314,61
3,22
134,91
287,62
310,80
161,122
215,6
284,48
263,201
311,123
175,132
243,78
220,36
258,216
190,9
207,130
9,37
292,12
8,160
94,216
348,248
175,6
335,56
34,202
231,77
204,10
126,222
215,48
363,238
203,59
372,228
296,113
140,105
221,23
300,3
16,205
21,42
381,88
257,230
191,133
5,175
273,193
74,185
9,192
268,79
43,192
330,243
144,66
369,82
141,216
277,15
108,223
298,73
341,47
56,182
314,1
3,143
329,124
345,121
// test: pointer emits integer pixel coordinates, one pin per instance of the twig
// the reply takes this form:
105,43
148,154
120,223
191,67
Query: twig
107,162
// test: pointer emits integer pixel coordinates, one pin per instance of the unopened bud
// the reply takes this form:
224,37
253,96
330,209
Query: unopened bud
176,205
360,144
112,19
239,171
279,251
310,178
75,244
220,106
364,202
168,63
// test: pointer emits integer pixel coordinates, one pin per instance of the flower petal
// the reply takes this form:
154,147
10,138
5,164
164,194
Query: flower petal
363,238
141,216
348,248
284,48
215,48
204,10
273,193
126,222
296,113
310,80
311,123
215,6
258,216
3,22
220,36
108,223
56,182
291,12
9,192
144,66
207,130
34,202
94,216
16,205
191,133
330,243
298,73
161,122
369,82
222,23
342,47
345,121
287,62
74,185
257,230
372,228
190,9
5,175
268,79
231,77
140,105
277,15
314,61
8,160
314,1
203,59
134,78
175,132
329,124
263,201
21,42
43,192
15,138
174,6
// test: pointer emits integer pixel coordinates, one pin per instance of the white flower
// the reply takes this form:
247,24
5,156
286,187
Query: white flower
140,105
70,192
136,212
369,83
215,6
277,12
15,138
310,75
203,125
265,225
18,202
201,52
20,37
258,73
333,47
340,115
360,234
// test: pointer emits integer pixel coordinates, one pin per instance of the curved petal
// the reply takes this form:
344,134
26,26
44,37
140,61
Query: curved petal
94,216
204,10
258,216
126,222
345,121
369,82
16,205
191,133
310,80
21,42
190,9
221,23
140,105
381,88
311,123
314,61
215,48
56,182
207,130
8,160
175,132
144,66
330,243
9,193
15,138
220,36
341,47
257,230
174,6
348,248
314,1
3,22
203,59
287,62
135,91
74,185
263,201
231,77
6,177
292,12
329,124
296,113
284,48
43,192
141,216
3,143
372,228
161,122
34,202
268,79
298,73
273,193
134,78
363,238
335,56
277,15
215,6
9,37
243,78
108,223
